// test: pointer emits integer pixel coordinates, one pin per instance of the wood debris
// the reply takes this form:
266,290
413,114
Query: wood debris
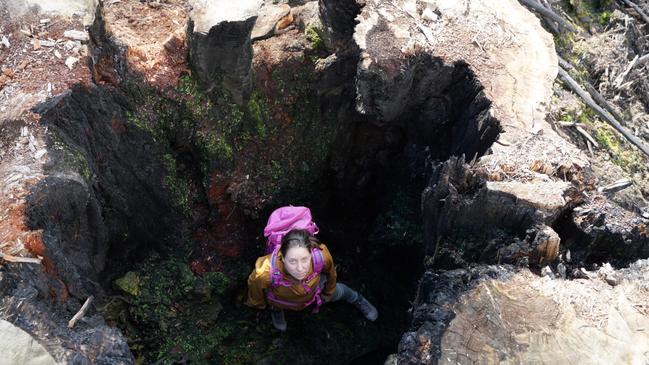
18,259
616,186
81,312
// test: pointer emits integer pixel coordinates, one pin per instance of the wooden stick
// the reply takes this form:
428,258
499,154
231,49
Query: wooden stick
17,259
565,64
642,60
620,78
600,99
588,137
568,124
81,312
637,9
616,186
548,13
572,84
637,61
551,24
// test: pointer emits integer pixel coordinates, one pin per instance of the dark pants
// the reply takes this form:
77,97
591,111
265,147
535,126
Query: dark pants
342,292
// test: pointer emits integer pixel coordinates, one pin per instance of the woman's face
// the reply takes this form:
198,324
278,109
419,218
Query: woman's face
297,262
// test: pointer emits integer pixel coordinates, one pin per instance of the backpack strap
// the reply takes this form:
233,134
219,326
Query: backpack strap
277,279
318,260
318,265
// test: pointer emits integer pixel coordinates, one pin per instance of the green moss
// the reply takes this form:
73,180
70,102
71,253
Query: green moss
198,103
604,18
136,120
159,285
129,283
314,38
622,154
72,157
215,148
590,12
574,52
180,311
257,113
178,186
217,281
276,170
399,224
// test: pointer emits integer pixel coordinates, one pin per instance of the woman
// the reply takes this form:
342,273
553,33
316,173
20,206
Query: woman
299,274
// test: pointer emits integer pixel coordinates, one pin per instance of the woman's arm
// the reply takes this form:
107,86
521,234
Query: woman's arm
329,269
258,280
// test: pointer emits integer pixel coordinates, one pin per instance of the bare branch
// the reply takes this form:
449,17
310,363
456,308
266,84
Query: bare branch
574,86
81,312
548,13
638,10
17,259
616,186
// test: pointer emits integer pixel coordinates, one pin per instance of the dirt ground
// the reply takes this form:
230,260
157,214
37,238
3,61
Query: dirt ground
39,56
154,32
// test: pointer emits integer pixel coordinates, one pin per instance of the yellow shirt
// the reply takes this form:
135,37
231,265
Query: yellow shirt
259,280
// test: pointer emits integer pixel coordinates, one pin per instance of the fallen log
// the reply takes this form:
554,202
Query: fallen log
638,10
554,27
620,79
81,312
548,13
600,99
18,259
637,61
574,86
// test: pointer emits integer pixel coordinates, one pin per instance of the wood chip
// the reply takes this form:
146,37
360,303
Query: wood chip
17,259
47,43
70,62
4,80
81,312
40,153
76,35
588,136
616,186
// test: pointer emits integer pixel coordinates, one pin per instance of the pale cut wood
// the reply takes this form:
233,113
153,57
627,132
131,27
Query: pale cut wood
616,186
620,79
18,259
81,312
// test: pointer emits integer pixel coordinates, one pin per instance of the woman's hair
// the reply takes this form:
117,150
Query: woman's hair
298,238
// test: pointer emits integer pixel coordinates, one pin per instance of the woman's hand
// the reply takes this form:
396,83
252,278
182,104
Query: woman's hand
326,298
